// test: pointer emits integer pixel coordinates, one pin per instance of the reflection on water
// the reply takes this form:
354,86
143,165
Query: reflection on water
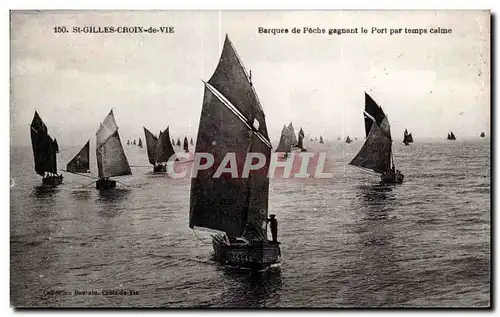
111,201
245,289
81,195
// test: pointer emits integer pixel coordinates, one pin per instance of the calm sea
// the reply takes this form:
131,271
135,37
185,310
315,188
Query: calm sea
346,241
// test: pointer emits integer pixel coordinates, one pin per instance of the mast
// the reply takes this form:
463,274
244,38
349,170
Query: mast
44,148
111,159
81,162
232,121
151,141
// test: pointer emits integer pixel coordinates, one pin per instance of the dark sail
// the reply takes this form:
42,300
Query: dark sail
300,139
151,141
321,139
237,206
376,112
140,142
128,142
231,80
285,143
178,142
134,142
186,144
407,138
410,138
44,150
292,130
191,141
482,135
348,140
451,136
164,149
376,152
81,162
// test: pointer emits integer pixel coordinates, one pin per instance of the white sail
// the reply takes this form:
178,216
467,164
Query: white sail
111,159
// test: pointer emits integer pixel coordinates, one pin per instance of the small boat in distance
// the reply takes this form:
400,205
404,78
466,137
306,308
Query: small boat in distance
134,143
451,136
348,140
285,143
482,135
81,162
140,143
232,115
186,144
407,137
376,153
111,159
300,142
178,142
159,149
128,142
294,138
191,141
44,153
321,139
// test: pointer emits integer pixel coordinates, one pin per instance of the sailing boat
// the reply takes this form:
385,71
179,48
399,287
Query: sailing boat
81,162
159,149
233,121
321,139
128,142
285,144
111,159
134,142
178,142
191,141
294,138
338,139
44,153
407,138
348,140
451,136
300,143
482,135
186,144
376,153
140,143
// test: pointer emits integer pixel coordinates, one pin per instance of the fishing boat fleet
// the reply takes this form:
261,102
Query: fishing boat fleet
232,121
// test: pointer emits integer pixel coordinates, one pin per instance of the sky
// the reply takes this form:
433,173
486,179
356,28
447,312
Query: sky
429,83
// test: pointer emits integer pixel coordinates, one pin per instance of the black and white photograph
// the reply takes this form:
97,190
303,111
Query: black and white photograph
250,159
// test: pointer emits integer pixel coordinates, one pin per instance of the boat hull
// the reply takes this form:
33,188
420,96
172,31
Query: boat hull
392,178
52,181
256,256
160,168
105,184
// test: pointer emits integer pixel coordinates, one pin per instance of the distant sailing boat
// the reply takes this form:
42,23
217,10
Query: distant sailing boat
285,144
111,159
407,138
321,139
451,136
186,144
232,121
482,135
191,141
44,153
128,142
315,138
376,153
81,162
140,143
294,138
159,149
348,140
178,142
338,139
134,143
300,143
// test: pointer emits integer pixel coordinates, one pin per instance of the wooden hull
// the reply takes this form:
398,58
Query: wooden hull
257,256
105,184
52,181
392,178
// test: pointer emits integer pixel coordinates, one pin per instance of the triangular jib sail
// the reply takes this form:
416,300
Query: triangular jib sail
232,121
111,159
81,162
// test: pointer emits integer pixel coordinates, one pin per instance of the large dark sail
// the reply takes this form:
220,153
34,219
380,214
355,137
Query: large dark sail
81,162
376,152
237,206
376,112
151,141
164,149
44,149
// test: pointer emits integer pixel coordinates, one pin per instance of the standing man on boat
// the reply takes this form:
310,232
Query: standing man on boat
274,227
